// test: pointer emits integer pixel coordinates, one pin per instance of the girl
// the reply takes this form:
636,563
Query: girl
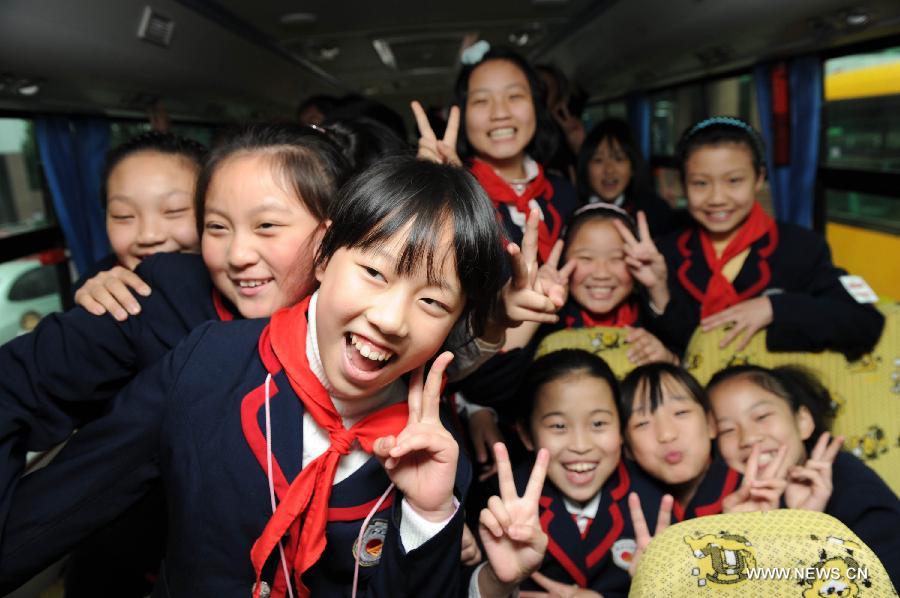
268,188
669,428
611,169
569,409
262,430
601,291
148,190
736,266
507,134
757,407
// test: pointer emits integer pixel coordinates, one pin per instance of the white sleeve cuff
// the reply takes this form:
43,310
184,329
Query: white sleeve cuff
415,530
474,590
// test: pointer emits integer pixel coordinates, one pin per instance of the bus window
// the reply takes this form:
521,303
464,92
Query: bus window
861,150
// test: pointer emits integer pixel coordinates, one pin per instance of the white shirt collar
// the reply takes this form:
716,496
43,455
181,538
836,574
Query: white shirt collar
589,509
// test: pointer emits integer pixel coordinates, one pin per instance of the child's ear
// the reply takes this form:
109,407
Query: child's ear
525,436
806,425
711,427
318,235
760,179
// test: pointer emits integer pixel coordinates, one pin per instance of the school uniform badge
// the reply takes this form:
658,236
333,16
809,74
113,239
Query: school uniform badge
623,552
372,543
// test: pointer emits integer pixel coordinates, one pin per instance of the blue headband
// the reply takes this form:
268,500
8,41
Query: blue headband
728,121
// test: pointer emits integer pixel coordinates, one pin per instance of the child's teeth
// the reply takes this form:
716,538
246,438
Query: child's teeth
368,351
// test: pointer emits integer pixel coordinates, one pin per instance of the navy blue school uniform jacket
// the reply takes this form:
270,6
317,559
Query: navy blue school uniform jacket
195,419
864,503
64,372
811,310
719,481
555,211
598,560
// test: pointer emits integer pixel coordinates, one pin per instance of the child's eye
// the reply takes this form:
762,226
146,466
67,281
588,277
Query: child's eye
682,412
698,183
121,217
373,273
725,431
641,424
213,227
600,424
762,416
735,180
267,226
557,426
435,304
177,212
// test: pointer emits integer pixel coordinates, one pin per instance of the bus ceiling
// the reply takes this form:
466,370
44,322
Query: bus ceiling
237,59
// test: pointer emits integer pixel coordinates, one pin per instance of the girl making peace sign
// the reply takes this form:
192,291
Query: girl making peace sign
506,134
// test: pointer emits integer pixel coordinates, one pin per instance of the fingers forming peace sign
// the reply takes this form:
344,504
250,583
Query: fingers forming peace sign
810,485
759,491
421,460
646,264
535,294
509,526
442,151
642,535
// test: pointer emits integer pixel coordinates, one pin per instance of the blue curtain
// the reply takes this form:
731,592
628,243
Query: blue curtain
793,185
637,106
72,152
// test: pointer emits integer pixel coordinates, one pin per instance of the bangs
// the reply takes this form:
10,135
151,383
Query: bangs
648,381
427,234
441,212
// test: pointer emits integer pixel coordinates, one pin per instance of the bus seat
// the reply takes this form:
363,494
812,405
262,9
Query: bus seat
604,341
866,391
811,554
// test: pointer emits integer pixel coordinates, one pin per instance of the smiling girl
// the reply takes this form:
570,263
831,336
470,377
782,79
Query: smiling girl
279,441
506,135
738,267
767,409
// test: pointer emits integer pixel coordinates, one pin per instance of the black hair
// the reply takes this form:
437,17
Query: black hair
307,160
649,379
153,141
612,130
402,191
355,106
795,385
556,365
364,140
597,211
322,102
719,130
543,145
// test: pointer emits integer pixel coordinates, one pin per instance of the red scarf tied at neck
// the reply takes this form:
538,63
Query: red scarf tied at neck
720,293
305,504
501,192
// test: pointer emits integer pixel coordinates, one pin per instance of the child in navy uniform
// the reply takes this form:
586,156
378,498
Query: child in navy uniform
569,408
148,192
737,266
668,428
787,407
282,416
507,134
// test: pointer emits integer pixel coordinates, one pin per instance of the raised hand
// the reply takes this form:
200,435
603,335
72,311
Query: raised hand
747,318
642,536
510,529
442,151
556,589
111,291
644,347
809,485
759,491
535,294
421,460
646,264
471,554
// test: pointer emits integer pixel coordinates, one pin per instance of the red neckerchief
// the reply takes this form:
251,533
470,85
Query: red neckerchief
306,500
624,314
501,192
225,314
720,293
